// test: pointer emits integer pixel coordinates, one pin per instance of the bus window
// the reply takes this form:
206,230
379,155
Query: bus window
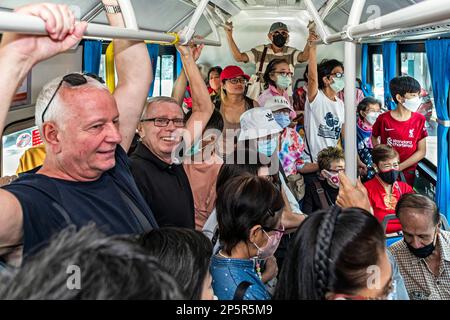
415,65
377,72
157,85
14,145
164,76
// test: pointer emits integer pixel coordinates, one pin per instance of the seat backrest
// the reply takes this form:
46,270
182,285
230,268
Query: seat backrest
386,220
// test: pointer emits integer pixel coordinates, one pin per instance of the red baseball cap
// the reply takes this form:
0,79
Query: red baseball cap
231,72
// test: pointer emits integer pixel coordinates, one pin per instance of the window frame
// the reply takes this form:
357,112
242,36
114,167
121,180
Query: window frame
14,127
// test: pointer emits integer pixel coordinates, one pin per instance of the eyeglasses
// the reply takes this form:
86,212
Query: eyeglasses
238,80
284,74
279,231
164,122
74,79
337,74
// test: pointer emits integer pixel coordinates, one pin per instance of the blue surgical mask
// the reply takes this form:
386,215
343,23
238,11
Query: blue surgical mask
338,84
282,119
268,146
283,82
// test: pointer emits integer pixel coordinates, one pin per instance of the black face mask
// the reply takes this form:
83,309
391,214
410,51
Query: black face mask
389,176
279,40
422,252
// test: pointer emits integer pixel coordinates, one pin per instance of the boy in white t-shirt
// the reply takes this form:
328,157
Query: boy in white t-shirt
324,111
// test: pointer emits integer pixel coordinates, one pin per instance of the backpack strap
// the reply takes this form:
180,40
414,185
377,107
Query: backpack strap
241,289
261,62
321,194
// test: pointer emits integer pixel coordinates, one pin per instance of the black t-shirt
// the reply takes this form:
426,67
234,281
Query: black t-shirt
311,201
49,204
165,187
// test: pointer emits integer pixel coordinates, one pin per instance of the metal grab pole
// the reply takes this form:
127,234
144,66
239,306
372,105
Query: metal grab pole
350,150
128,14
418,14
188,31
422,13
318,21
15,22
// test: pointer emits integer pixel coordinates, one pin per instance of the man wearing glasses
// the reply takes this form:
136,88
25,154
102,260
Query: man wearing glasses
85,177
158,172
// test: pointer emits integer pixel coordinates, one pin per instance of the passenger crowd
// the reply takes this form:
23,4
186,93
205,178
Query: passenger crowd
226,195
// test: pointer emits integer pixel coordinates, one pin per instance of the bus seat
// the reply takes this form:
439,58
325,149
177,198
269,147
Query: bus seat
391,240
386,220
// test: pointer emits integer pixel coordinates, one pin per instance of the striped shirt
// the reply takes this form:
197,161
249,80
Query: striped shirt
420,282
288,53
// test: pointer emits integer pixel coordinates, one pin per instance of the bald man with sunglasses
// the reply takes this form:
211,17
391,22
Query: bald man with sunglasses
85,177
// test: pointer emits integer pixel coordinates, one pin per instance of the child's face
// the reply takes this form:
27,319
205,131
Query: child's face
408,95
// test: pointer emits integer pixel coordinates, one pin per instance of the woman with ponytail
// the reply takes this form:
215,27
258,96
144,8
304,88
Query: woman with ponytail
338,254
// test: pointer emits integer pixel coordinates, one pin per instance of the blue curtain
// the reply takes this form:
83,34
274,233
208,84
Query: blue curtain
92,54
438,55
179,64
153,51
365,86
389,71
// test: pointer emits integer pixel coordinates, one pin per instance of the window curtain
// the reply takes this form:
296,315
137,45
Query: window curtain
438,55
389,71
179,64
365,86
153,51
92,54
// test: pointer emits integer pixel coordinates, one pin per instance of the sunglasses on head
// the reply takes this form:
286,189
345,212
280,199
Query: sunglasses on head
73,79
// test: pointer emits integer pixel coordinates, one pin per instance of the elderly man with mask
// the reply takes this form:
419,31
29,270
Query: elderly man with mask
87,131
423,256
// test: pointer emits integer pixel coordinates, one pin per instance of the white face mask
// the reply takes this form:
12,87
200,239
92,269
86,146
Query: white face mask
371,117
412,104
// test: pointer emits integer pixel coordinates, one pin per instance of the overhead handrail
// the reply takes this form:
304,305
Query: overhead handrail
421,13
20,23
188,31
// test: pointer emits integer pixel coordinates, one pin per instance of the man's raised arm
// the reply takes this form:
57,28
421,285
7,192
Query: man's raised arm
18,54
202,107
134,72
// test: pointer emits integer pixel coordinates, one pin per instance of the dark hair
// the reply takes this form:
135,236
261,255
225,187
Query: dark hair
402,85
305,74
244,202
240,162
271,68
418,201
325,68
214,69
110,268
326,156
330,252
184,253
214,122
383,152
364,105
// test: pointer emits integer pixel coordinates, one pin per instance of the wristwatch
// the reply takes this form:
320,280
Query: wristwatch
112,9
